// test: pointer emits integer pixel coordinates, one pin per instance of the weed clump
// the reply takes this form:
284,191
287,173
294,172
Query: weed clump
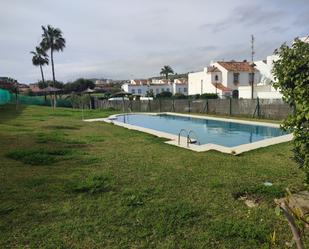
92,185
37,156
260,192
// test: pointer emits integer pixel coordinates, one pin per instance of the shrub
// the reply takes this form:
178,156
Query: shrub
164,95
291,72
196,96
208,96
180,96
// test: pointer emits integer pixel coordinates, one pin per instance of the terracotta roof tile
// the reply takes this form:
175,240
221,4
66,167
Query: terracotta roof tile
221,87
237,66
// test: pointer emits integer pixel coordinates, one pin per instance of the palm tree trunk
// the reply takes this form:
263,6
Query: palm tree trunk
53,69
42,75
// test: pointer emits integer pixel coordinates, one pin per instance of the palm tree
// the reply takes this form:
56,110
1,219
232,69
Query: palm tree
166,70
40,58
52,39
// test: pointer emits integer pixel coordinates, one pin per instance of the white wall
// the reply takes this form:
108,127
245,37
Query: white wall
266,77
135,89
261,91
143,89
180,88
200,82
213,77
158,88
195,81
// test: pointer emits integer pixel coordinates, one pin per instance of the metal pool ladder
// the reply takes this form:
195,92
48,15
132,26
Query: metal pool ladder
190,139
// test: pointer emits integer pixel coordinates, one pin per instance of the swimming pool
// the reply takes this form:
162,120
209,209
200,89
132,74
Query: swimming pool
226,135
206,130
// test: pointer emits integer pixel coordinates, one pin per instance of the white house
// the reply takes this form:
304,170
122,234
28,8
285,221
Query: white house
136,87
160,81
142,87
223,78
263,89
180,86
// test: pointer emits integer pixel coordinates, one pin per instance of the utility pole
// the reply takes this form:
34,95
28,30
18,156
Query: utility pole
252,48
251,78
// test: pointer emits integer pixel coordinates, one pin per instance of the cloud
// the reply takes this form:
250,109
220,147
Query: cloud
217,27
246,15
257,15
124,39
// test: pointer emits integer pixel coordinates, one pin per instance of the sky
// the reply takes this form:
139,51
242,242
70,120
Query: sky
125,39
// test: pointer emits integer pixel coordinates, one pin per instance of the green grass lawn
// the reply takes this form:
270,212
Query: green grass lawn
65,183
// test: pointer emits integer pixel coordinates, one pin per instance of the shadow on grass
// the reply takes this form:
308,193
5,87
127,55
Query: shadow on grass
9,112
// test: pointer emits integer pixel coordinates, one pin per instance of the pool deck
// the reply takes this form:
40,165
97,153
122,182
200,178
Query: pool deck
205,147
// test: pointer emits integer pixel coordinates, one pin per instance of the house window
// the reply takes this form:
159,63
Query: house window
133,91
139,91
167,89
185,89
236,78
251,78
216,77
157,91
162,89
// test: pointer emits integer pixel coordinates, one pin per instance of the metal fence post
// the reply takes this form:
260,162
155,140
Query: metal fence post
173,105
130,107
258,107
149,106
230,106
189,106
160,105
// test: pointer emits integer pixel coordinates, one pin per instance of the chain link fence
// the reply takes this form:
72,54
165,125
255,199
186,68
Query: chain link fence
260,108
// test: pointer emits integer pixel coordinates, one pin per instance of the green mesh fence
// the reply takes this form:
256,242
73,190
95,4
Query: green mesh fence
5,96
40,100
32,100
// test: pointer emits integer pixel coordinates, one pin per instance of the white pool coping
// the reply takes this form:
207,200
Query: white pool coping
236,150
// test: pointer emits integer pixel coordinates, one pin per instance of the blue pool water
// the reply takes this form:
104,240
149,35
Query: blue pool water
223,133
